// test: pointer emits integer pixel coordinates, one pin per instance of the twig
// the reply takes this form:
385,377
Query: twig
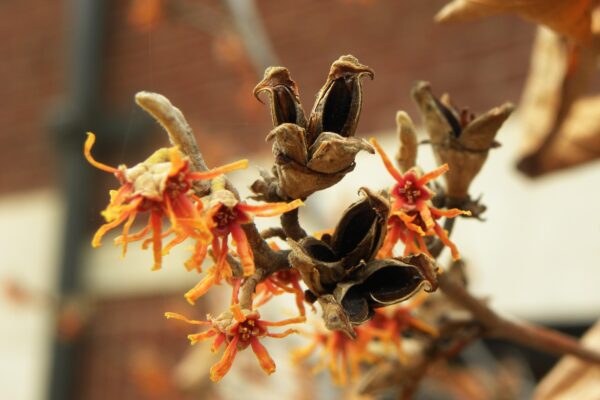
266,260
291,225
180,132
272,232
532,336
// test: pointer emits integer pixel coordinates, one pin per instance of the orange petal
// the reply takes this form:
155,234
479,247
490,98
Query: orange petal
283,334
289,321
216,344
180,237
407,219
433,174
441,233
96,241
177,163
218,370
243,249
238,315
87,152
213,173
179,317
389,242
156,220
135,236
423,327
262,299
426,215
422,246
199,337
386,161
270,209
126,228
451,213
264,359
201,288
196,260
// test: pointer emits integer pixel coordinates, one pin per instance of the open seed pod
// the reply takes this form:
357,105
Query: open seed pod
354,301
361,230
380,283
338,104
355,241
308,159
458,137
301,171
283,95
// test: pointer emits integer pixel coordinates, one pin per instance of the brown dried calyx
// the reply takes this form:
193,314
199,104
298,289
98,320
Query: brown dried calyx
340,270
313,155
458,137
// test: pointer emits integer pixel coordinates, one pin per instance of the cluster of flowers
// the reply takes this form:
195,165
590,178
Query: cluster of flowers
413,216
353,272
161,186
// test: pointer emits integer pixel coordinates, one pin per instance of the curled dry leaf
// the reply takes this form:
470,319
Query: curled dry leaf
571,18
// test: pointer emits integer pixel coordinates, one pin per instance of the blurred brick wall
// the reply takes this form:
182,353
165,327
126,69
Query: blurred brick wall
197,62
31,74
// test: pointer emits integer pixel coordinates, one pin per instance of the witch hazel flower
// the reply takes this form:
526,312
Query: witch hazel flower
160,186
224,217
238,329
390,323
339,353
280,282
412,214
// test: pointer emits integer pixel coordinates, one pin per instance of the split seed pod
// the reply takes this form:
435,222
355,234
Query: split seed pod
458,137
317,156
379,284
355,241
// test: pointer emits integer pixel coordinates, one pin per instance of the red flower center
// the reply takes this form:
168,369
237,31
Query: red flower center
177,185
246,331
223,218
409,191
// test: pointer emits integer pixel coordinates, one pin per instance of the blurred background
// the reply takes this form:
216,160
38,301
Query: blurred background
83,324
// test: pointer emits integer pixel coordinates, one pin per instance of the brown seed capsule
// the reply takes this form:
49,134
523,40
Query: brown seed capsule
315,158
283,95
338,104
378,284
361,230
355,241
301,171
458,137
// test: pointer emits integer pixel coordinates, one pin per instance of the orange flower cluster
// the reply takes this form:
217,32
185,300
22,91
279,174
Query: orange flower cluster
225,216
343,355
412,215
160,186
284,281
238,329
388,324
